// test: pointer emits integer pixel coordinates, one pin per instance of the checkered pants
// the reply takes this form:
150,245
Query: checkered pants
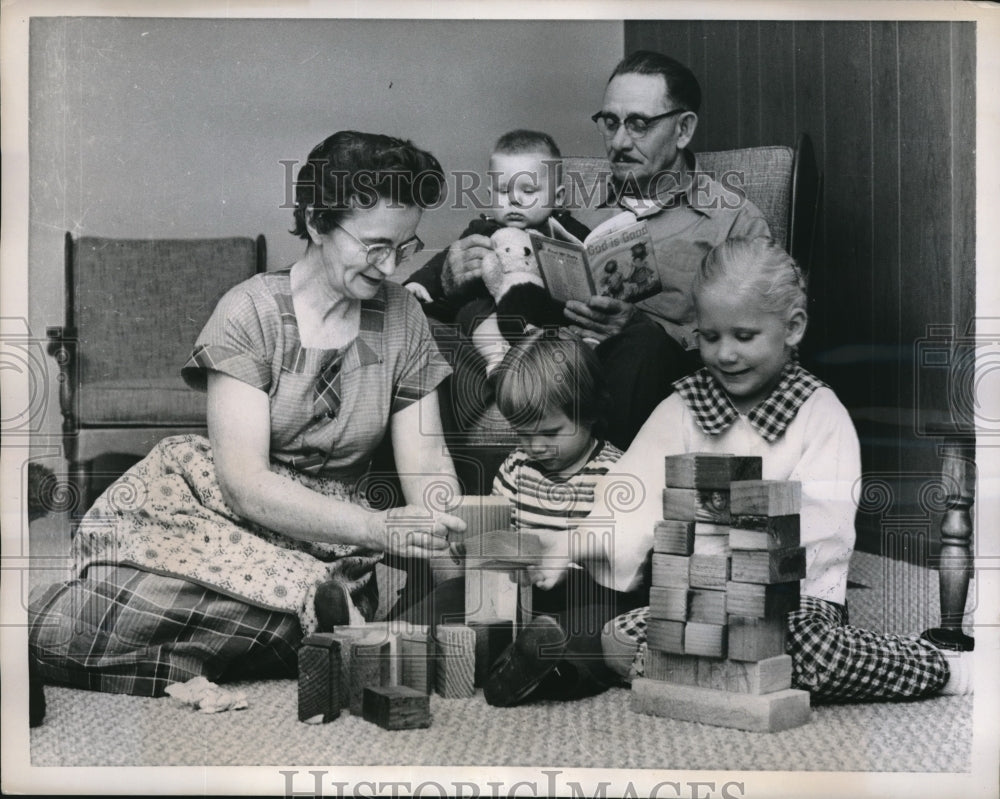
831,659
134,632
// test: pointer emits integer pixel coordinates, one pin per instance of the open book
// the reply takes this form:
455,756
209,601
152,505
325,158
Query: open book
615,260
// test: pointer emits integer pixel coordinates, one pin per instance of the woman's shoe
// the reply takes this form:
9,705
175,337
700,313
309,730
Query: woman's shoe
332,605
535,653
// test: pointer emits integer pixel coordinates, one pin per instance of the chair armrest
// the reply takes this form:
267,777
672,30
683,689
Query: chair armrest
62,347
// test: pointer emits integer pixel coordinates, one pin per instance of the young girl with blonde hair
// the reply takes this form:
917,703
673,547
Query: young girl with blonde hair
753,398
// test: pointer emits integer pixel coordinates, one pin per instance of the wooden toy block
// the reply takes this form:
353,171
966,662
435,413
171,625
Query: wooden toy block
670,571
780,710
319,679
761,601
756,639
707,605
482,514
768,565
763,677
764,532
396,707
708,571
417,659
706,470
389,632
672,537
765,497
346,636
368,666
657,664
503,550
665,635
712,543
456,661
708,529
524,600
491,595
696,505
669,603
492,637
701,638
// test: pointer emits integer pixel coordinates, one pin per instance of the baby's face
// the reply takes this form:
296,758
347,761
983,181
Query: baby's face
524,188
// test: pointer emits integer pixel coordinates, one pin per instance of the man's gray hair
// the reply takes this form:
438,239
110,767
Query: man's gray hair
682,85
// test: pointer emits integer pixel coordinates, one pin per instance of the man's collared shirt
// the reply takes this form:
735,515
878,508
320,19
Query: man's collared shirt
685,223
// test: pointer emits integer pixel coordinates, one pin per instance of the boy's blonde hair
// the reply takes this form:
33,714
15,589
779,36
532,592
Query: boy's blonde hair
758,265
550,370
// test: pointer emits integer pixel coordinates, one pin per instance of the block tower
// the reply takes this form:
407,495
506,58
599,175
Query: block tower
726,567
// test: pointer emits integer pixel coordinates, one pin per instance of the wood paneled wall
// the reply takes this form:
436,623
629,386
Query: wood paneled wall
890,107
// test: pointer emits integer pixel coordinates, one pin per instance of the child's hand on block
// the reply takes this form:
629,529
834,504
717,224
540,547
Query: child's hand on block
548,576
550,566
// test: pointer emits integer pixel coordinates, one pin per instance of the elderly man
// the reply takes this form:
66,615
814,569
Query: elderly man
647,118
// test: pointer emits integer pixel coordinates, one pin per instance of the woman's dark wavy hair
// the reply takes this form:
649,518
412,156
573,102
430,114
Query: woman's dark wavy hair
351,170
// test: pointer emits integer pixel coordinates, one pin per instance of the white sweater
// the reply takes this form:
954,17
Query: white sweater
819,448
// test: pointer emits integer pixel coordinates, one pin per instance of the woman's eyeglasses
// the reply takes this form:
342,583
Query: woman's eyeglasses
636,125
378,254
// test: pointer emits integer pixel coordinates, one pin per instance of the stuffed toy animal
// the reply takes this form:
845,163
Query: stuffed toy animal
511,262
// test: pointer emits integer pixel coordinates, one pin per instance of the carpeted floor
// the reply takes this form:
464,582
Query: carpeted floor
935,735
103,730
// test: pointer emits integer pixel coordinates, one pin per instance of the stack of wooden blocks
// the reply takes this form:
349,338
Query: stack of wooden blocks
726,567
378,671
492,592
495,603
387,671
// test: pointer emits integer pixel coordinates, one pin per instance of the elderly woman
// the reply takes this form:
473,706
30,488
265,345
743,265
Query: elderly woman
214,556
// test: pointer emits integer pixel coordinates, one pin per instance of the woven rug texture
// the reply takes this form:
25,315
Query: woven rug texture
932,735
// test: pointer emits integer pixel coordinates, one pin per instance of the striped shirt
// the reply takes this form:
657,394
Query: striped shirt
540,501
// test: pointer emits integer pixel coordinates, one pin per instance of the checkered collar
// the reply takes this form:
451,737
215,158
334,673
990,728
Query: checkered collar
715,413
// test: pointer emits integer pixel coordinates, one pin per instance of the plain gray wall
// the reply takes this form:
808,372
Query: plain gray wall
178,127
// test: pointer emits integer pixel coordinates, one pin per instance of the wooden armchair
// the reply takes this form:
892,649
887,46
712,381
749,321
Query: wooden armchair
133,310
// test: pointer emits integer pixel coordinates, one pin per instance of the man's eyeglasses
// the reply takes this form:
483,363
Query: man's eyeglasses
378,254
636,125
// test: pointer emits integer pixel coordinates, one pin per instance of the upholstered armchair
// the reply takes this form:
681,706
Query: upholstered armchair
783,182
133,310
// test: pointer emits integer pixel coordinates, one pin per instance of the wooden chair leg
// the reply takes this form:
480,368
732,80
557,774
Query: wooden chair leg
956,561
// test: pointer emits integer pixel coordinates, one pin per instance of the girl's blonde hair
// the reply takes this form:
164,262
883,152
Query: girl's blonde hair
758,265
550,370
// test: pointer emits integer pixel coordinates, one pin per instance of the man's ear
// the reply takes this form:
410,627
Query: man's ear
687,125
795,328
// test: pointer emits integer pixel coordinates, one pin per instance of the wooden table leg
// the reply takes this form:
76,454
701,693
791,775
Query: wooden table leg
956,561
